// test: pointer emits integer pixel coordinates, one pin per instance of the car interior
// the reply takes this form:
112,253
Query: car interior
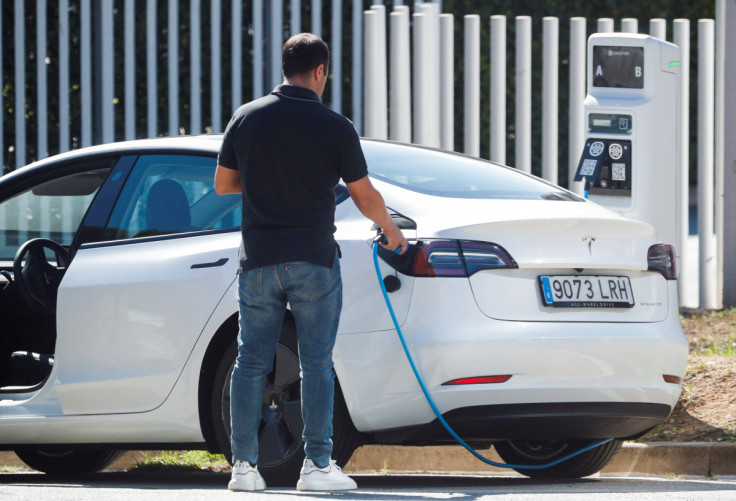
34,254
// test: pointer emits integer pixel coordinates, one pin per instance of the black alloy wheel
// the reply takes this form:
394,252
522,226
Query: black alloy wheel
58,461
280,444
537,452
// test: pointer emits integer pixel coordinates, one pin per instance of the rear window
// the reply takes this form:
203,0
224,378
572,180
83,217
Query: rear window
454,176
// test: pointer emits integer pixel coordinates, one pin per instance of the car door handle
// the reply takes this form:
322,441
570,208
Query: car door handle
213,264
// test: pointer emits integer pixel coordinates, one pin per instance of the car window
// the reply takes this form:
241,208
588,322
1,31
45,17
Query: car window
170,194
448,175
52,210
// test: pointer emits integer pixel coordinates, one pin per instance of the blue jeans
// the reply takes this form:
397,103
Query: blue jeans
314,293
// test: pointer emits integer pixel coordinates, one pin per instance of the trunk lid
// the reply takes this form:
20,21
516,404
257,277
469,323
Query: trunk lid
549,238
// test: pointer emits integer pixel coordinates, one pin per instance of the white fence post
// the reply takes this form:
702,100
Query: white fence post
295,27
471,131
706,80
173,65
629,25
550,94
85,70
236,53
108,73
498,89
258,61
42,107
380,73
433,10
605,25
375,87
720,143
431,74
129,54
681,34
336,56
447,83
276,42
576,138
658,28
523,128
64,125
195,71
151,70
357,103
317,17
400,76
422,92
215,64
20,84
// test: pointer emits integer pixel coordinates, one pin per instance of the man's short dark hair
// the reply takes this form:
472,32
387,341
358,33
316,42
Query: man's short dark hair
303,53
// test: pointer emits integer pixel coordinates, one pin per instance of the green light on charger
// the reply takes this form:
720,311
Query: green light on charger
674,63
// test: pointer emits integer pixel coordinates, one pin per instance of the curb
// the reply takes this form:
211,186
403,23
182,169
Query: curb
702,459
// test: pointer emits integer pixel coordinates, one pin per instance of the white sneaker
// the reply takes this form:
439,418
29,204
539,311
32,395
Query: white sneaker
246,478
329,478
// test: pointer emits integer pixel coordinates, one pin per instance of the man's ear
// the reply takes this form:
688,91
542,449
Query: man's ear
320,70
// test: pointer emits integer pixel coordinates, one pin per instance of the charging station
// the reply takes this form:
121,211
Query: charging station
630,159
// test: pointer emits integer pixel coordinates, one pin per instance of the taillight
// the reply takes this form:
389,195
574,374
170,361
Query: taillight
448,258
438,258
485,256
661,258
478,380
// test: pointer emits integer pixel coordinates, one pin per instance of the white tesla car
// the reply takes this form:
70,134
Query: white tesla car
540,321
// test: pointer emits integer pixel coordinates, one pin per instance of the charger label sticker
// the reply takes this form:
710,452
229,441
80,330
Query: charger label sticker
615,151
596,148
618,172
588,167
590,160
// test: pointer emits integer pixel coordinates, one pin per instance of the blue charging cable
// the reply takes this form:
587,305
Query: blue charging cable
434,406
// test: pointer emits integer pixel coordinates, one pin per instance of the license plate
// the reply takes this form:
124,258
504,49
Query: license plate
586,291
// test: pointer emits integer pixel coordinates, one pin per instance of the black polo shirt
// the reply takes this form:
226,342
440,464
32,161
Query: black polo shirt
291,152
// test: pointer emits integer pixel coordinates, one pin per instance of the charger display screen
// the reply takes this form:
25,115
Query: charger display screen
621,67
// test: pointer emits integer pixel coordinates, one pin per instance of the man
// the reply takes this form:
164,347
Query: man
285,153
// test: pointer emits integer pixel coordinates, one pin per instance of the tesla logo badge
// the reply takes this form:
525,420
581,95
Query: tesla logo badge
589,239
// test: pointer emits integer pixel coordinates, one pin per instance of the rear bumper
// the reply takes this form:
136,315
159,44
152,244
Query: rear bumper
564,421
585,362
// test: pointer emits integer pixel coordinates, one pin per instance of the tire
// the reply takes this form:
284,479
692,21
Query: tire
68,461
281,448
535,452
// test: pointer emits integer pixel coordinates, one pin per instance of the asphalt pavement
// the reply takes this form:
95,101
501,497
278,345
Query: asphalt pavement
114,486
694,459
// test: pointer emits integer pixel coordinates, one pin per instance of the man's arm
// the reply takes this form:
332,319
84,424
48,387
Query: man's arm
370,203
227,181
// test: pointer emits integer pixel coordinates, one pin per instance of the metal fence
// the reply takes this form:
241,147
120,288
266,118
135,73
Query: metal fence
205,58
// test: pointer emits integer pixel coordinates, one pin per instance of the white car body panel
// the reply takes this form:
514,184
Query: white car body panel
35,421
364,309
124,353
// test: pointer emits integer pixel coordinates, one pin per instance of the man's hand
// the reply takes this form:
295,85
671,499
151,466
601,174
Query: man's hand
370,203
396,239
